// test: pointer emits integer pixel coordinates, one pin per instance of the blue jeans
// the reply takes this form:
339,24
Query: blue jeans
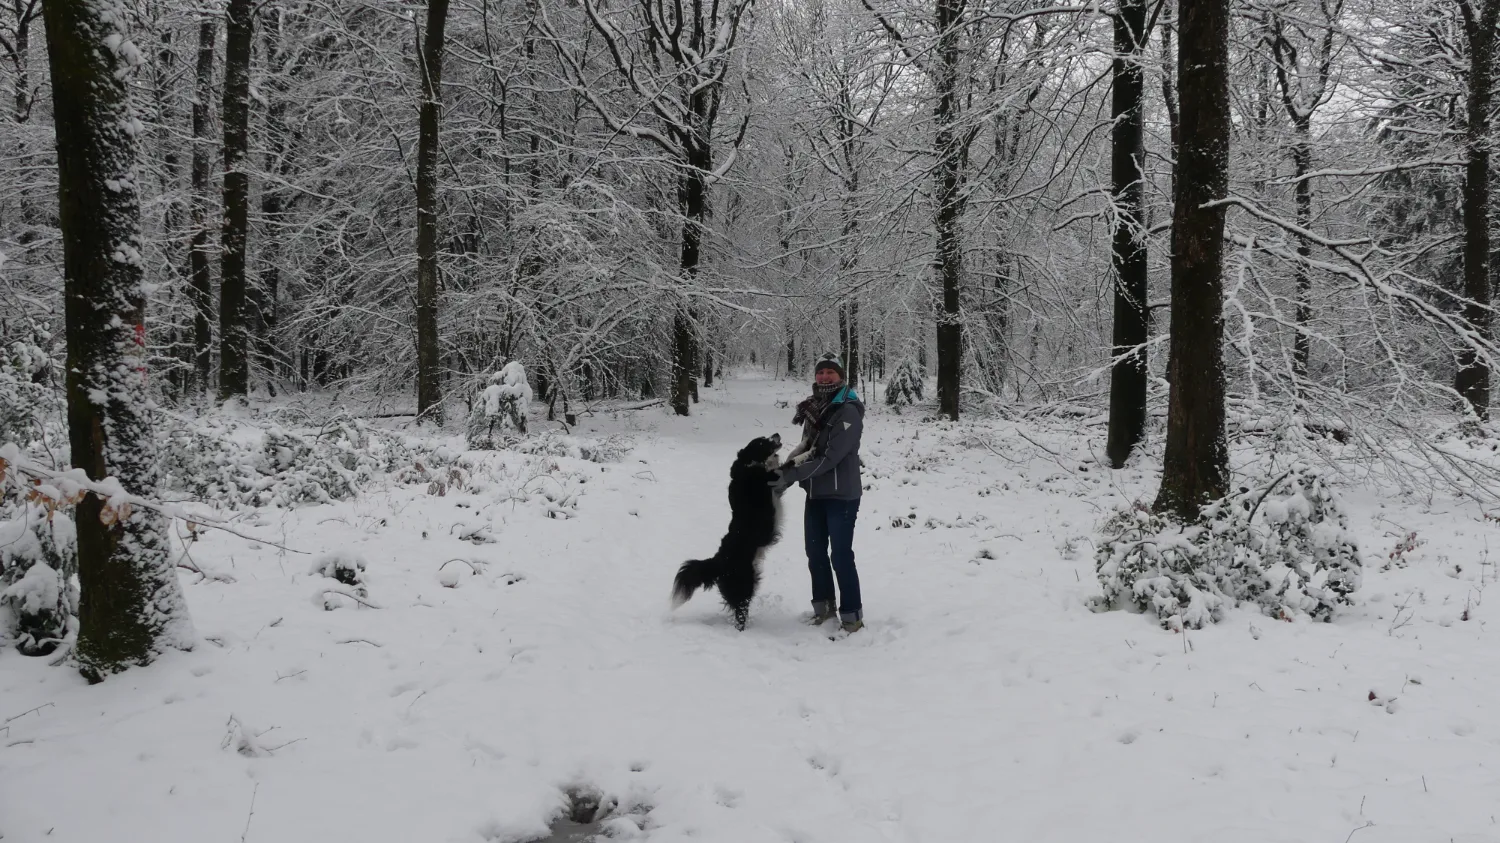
827,521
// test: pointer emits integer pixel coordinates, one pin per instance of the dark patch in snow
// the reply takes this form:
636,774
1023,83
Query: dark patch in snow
590,815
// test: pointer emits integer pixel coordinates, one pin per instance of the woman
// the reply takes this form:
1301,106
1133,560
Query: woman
826,464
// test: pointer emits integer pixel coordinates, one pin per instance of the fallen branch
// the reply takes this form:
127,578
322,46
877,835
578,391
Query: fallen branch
59,488
639,406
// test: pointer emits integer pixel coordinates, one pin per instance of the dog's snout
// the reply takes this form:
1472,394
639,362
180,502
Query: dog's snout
776,439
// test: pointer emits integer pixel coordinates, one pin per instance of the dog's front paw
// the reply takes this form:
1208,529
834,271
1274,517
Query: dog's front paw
799,459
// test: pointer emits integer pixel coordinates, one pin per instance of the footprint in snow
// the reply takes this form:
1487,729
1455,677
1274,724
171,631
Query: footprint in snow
1129,737
726,797
396,742
825,763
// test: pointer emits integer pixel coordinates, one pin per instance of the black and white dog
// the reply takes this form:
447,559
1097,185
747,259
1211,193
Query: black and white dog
754,525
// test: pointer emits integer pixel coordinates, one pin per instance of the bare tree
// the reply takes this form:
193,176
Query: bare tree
679,70
15,47
131,604
951,142
845,82
1303,82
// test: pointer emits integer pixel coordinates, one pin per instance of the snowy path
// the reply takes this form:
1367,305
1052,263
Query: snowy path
984,702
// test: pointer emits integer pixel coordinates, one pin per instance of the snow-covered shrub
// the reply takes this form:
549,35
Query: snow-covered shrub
552,443
249,466
31,404
347,568
500,408
1147,564
904,386
1285,547
452,572
38,594
1309,554
453,477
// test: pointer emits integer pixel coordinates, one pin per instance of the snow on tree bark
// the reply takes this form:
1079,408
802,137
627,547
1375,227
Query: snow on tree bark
1195,466
234,336
1127,386
1473,378
131,605
202,292
952,151
429,385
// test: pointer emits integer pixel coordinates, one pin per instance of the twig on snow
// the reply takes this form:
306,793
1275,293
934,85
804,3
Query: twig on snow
1397,622
472,566
28,711
251,815
351,595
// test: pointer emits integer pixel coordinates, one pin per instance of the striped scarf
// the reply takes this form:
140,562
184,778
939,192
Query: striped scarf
811,410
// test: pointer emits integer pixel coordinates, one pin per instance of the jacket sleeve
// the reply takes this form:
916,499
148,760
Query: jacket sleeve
848,425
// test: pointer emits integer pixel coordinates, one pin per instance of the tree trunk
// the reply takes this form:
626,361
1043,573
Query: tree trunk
849,309
429,387
844,338
25,101
1302,278
1473,378
851,362
234,359
950,208
1169,88
21,55
202,291
791,353
692,194
131,604
273,203
1300,96
1127,386
1174,118
1195,467
849,256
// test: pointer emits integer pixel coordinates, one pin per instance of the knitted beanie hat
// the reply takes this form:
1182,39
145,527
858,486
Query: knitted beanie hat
830,361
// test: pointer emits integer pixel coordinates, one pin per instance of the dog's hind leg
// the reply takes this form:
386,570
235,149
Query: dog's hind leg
737,587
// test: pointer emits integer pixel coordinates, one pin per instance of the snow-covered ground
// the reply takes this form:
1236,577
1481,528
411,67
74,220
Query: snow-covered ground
983,702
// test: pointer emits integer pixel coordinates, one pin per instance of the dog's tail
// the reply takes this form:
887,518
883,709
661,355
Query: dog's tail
693,575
